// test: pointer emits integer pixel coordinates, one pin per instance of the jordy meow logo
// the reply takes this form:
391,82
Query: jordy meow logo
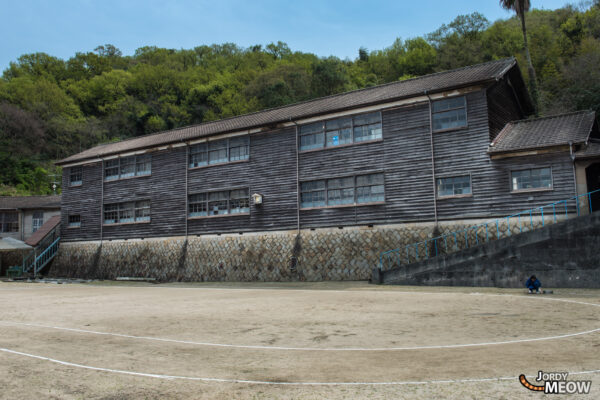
556,383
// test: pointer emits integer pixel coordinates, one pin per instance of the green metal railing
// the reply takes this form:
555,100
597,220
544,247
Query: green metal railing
43,259
492,230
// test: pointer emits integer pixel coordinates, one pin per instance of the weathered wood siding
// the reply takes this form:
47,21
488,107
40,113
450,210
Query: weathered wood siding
270,171
165,188
502,107
404,156
407,156
85,200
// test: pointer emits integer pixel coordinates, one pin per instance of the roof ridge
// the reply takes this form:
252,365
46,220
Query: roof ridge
308,101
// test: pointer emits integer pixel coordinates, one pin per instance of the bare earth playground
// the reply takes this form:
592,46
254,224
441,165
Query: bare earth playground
290,341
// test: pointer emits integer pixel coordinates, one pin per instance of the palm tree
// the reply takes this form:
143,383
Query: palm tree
520,7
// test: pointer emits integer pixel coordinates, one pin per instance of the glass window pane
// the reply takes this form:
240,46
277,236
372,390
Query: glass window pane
126,211
111,213
448,104
111,169
198,155
450,119
453,186
238,148
313,194
217,203
75,176
367,132
127,167
143,165
338,137
311,128
217,152
367,119
536,178
337,124
197,205
142,211
341,183
312,141
240,201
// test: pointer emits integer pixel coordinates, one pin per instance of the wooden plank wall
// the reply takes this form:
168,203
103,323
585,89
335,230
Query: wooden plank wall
404,156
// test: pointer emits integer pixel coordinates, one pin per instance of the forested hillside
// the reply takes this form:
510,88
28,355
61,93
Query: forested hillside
51,108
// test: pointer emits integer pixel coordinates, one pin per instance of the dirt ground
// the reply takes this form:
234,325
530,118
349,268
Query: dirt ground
108,340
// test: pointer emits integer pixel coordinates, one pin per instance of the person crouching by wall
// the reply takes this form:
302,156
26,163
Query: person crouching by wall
533,284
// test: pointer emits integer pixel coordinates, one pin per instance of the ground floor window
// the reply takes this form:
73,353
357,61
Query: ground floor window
129,212
531,179
348,190
236,201
38,221
74,221
9,222
454,186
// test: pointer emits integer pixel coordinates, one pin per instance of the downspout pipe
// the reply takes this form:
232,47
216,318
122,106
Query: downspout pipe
572,154
297,178
435,213
101,202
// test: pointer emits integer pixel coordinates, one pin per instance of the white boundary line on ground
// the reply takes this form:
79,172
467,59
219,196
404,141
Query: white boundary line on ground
256,347
246,381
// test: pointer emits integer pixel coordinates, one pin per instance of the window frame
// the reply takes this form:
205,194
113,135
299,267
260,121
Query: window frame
78,182
35,222
453,196
71,225
324,130
205,161
355,203
530,190
5,222
127,207
207,201
454,128
132,161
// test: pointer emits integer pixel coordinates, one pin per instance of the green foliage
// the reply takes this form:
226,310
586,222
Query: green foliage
51,108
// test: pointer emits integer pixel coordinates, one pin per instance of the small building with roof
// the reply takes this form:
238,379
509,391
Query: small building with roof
22,216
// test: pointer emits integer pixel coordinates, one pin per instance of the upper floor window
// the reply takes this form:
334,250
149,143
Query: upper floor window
129,212
531,179
219,203
454,186
74,221
350,190
37,221
219,151
9,222
75,176
125,167
340,131
449,113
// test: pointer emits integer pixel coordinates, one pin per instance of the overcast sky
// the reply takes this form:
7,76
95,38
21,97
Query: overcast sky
337,27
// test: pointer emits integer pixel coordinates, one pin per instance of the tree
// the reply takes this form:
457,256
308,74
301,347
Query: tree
520,7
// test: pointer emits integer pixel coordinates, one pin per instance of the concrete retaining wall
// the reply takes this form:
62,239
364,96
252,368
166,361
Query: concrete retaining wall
322,254
566,254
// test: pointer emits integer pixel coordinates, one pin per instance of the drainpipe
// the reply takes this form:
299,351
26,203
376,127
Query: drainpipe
432,158
187,171
572,154
297,179
101,203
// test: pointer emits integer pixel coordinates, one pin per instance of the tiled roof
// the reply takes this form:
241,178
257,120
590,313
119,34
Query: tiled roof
29,202
590,151
374,95
44,230
544,132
